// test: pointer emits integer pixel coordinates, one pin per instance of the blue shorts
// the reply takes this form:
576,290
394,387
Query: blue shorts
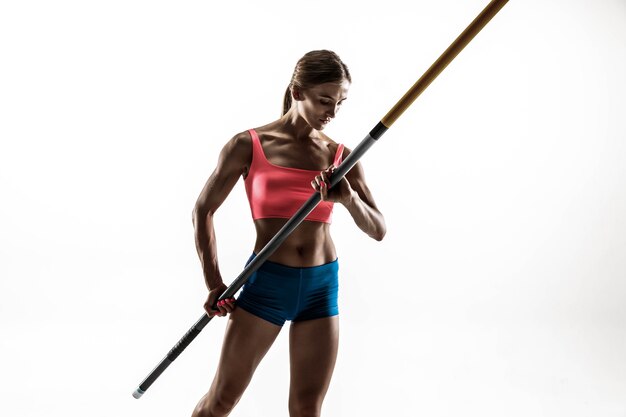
277,292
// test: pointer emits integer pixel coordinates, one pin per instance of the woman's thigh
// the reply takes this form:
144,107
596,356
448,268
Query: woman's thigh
313,346
246,341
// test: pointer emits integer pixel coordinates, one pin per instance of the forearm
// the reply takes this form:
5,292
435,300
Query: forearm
366,217
206,247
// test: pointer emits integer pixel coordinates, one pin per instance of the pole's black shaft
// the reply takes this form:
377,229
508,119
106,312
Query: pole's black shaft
435,69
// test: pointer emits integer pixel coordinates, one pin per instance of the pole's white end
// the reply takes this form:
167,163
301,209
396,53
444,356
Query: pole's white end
138,393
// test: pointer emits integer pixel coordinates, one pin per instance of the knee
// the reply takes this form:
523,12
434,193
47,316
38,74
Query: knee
300,408
223,404
215,405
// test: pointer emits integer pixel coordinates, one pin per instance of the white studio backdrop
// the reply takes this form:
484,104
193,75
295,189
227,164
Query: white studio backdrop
498,290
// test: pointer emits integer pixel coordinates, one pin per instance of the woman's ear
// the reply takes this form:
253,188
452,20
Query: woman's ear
296,94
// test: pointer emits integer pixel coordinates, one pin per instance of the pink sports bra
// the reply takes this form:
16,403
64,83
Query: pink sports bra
278,192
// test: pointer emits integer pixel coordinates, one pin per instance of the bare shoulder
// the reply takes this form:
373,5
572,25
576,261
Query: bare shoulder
241,140
239,145
237,153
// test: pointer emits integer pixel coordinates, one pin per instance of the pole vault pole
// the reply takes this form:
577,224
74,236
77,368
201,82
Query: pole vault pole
435,69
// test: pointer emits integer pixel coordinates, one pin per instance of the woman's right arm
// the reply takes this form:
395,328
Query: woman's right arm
233,162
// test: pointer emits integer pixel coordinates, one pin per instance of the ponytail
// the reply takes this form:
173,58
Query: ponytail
287,101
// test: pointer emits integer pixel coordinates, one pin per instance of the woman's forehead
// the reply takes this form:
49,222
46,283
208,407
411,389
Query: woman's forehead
332,90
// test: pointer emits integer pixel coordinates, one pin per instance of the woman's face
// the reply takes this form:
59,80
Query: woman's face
318,105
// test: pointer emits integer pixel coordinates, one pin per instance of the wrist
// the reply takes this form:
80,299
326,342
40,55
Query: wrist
214,283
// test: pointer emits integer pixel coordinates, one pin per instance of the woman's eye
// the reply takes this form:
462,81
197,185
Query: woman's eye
324,102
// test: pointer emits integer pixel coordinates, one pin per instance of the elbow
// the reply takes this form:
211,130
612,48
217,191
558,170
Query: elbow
199,214
195,214
379,233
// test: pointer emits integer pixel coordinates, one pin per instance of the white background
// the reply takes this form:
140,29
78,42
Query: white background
499,289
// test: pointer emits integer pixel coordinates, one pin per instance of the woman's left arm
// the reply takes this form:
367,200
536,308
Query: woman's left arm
353,193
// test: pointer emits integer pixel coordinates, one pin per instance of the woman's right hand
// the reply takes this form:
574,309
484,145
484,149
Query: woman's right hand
223,308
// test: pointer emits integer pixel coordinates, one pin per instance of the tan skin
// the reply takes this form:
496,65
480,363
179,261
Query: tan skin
295,140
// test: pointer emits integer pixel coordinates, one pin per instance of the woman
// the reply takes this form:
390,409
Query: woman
281,163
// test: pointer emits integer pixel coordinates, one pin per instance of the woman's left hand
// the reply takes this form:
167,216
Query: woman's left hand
340,193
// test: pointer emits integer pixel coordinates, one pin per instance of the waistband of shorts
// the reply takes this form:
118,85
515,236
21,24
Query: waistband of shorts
277,268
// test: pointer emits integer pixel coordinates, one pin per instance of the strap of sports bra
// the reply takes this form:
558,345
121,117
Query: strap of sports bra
257,148
338,155
254,135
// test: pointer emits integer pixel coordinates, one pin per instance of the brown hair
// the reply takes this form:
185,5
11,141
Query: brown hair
314,68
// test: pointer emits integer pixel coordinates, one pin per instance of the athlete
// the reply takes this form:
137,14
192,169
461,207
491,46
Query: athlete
281,164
